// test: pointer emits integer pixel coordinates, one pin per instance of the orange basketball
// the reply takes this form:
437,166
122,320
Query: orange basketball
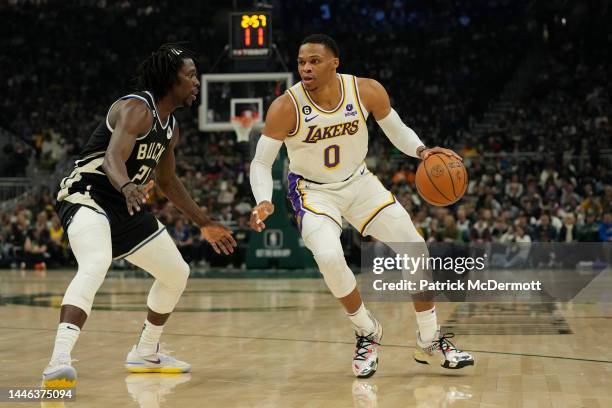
441,180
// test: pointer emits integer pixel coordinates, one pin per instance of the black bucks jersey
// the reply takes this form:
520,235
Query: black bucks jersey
89,186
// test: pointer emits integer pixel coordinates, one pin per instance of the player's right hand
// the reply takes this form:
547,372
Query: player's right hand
259,214
136,195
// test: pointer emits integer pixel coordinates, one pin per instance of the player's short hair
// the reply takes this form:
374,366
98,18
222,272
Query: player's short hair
324,39
158,73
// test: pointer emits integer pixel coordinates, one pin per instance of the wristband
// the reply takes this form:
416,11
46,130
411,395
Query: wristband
420,150
123,186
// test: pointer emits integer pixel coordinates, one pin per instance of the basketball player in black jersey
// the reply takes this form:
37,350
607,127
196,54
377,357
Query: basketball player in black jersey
101,207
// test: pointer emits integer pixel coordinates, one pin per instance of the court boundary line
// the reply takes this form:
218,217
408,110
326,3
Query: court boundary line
401,346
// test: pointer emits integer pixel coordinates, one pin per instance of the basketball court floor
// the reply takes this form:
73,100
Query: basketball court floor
286,343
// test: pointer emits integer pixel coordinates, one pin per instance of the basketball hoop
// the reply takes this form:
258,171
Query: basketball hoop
243,125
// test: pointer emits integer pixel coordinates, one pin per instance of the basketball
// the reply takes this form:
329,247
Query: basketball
441,180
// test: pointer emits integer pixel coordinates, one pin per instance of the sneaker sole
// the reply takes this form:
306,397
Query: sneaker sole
459,365
63,377
447,365
163,370
59,383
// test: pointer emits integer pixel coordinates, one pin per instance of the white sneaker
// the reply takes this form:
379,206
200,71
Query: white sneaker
441,351
159,362
365,361
59,373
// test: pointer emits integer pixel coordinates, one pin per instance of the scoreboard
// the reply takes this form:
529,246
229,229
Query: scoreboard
250,35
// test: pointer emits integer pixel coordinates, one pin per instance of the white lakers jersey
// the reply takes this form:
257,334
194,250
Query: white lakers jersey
327,146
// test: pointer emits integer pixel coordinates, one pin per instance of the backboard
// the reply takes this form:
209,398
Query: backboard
225,96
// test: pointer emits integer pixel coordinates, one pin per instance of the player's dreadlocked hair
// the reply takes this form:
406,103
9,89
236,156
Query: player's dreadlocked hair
159,71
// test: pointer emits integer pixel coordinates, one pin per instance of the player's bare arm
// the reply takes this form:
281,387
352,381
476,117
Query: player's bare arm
280,121
376,101
215,234
130,120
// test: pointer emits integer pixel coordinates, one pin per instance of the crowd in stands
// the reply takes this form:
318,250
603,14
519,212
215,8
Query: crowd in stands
538,176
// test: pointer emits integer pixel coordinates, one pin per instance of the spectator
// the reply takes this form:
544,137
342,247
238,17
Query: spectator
463,224
521,255
545,232
451,232
480,231
16,160
605,228
57,245
589,231
514,189
35,250
500,227
568,232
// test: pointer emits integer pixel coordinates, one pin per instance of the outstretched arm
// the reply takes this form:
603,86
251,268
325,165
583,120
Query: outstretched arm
280,120
217,235
376,101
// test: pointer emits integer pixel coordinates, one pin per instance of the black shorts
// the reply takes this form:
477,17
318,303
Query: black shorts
128,232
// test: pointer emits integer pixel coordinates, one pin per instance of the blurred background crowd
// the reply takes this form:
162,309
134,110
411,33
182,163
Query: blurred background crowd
521,89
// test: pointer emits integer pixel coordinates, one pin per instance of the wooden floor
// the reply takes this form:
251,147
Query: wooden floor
286,343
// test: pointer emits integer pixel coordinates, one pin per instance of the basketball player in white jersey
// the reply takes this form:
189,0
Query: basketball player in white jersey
322,122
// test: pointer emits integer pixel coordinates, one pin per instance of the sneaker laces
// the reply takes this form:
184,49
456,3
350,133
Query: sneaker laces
363,345
444,344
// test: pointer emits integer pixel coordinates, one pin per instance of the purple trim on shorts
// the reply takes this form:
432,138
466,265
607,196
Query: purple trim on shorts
295,197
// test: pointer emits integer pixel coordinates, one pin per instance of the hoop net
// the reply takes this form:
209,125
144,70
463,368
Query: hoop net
243,125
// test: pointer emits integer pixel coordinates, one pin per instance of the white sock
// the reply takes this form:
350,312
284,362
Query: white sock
67,335
427,322
149,338
361,319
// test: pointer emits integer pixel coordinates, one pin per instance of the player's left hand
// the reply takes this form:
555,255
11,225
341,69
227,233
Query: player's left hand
219,237
433,150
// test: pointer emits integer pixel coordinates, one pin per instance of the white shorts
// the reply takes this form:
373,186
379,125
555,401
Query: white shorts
359,199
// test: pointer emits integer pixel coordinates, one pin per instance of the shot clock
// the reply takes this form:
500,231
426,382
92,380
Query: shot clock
250,34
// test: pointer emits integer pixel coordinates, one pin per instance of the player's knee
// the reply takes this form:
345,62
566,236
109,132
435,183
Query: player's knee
96,263
104,258
319,234
183,271
322,237
177,280
330,260
90,276
338,276
165,294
